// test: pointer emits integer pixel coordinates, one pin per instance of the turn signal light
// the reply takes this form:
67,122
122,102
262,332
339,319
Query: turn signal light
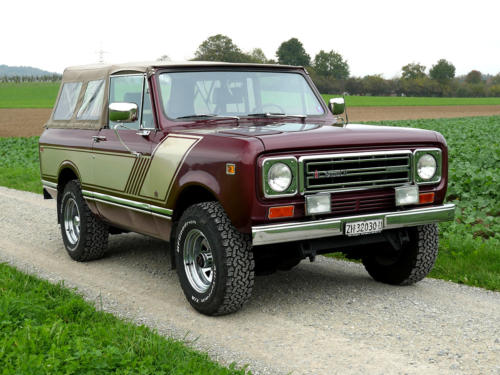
426,198
280,212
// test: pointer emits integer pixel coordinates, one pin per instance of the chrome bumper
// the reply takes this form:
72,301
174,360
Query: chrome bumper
287,232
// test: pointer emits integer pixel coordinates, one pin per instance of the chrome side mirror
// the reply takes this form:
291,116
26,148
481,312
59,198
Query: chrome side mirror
123,112
337,105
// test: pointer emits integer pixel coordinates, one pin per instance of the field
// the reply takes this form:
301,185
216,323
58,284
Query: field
28,95
469,251
43,95
397,101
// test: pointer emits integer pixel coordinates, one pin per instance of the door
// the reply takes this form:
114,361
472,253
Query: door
121,158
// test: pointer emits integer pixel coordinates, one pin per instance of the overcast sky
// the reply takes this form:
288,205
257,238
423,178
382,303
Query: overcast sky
375,37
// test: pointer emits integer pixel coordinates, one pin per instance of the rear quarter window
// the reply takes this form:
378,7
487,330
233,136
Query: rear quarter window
92,101
67,101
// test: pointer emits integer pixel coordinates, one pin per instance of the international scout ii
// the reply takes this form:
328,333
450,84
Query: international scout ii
242,169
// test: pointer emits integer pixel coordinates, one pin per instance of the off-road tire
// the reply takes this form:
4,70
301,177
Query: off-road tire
233,263
412,263
93,237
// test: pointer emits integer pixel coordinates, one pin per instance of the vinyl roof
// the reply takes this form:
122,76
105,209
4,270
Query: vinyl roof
97,71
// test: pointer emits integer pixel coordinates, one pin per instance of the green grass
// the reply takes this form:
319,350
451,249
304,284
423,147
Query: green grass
28,95
48,329
389,101
19,165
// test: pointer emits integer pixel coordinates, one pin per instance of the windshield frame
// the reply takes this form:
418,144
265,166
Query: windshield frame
264,69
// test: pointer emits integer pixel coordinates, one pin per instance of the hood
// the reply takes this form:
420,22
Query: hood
296,136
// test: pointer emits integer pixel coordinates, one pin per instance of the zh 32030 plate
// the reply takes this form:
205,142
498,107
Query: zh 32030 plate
358,228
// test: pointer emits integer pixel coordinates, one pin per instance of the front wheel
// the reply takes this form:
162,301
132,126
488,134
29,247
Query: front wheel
411,263
214,261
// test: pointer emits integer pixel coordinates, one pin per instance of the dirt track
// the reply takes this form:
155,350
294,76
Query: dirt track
326,317
29,122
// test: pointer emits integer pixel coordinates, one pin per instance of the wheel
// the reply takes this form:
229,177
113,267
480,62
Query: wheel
84,235
411,263
214,261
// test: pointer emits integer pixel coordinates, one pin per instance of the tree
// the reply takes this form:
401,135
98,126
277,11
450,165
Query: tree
413,71
376,85
164,58
496,79
219,48
292,52
474,76
258,56
331,64
443,71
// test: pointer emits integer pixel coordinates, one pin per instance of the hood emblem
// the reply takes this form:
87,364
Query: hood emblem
330,174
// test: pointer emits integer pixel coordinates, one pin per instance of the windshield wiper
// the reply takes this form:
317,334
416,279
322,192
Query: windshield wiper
275,114
207,115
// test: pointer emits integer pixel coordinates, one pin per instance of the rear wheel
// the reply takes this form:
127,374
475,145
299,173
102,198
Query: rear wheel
84,235
411,263
214,261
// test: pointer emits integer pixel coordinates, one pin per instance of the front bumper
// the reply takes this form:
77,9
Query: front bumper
297,231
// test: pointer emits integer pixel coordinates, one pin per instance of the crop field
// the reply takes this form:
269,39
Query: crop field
470,246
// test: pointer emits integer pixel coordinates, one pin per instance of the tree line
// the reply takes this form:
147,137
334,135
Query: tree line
22,78
330,72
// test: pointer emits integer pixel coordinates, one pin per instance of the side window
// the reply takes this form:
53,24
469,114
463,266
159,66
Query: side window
67,101
92,101
127,89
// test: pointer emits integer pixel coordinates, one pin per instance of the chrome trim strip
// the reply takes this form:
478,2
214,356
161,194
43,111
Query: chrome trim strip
49,184
286,232
121,202
293,167
438,154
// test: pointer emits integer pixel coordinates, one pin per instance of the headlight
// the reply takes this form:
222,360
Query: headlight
279,177
426,167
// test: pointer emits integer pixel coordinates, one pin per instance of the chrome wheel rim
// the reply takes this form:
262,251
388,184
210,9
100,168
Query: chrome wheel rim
71,218
198,261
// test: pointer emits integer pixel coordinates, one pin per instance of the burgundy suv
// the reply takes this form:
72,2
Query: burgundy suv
242,169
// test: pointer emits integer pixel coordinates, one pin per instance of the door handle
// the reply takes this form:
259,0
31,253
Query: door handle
98,138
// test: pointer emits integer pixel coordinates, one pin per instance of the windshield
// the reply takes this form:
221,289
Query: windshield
236,93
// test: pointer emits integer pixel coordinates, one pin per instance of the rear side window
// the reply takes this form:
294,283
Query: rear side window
67,101
92,101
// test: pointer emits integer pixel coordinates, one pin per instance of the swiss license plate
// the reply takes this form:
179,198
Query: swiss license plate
358,228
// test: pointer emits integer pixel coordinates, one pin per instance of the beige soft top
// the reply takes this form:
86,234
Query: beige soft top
87,73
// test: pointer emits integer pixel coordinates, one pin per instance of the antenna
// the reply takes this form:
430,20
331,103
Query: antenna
101,53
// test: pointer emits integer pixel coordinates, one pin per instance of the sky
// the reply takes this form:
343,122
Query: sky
375,37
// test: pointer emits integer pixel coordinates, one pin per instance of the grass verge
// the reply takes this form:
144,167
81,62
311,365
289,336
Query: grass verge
48,329
397,101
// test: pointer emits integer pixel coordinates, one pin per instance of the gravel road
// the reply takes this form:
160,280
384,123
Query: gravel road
326,317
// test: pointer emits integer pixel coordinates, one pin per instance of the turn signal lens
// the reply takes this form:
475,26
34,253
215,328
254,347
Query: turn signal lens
280,212
426,198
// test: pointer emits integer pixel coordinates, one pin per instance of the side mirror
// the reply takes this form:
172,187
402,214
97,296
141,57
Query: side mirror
123,112
337,105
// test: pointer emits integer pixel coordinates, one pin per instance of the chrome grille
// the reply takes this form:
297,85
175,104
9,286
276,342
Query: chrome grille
355,171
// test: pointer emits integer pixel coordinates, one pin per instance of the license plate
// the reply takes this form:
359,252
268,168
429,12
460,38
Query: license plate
358,228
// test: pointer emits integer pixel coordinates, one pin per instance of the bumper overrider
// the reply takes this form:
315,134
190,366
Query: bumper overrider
297,231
